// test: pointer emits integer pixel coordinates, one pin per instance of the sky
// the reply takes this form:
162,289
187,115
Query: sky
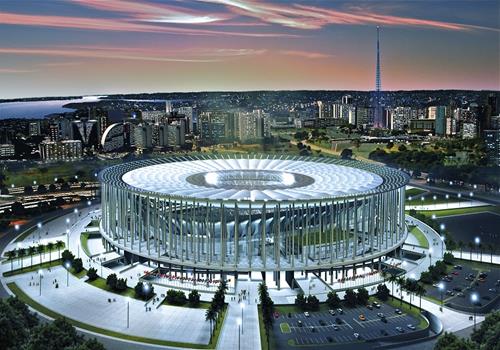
80,47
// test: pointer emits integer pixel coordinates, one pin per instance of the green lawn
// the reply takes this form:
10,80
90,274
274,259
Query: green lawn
422,241
285,327
462,211
84,240
101,283
33,268
40,308
414,192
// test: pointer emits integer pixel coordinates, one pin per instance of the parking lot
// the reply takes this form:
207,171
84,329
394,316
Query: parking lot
467,281
322,328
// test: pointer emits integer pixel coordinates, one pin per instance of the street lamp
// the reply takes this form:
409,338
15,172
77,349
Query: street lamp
39,226
474,298
441,289
447,201
471,194
442,244
40,274
239,332
477,240
67,265
459,196
242,305
16,227
128,311
430,257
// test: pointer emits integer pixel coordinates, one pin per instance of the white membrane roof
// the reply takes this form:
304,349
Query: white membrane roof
252,179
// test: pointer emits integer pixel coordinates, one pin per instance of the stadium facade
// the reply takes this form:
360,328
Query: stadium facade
246,213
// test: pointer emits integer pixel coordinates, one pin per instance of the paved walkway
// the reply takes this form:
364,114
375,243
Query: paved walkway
477,256
443,206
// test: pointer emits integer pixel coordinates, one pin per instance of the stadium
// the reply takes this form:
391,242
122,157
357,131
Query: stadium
238,214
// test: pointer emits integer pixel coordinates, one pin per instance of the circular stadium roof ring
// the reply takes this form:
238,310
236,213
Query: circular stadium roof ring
253,212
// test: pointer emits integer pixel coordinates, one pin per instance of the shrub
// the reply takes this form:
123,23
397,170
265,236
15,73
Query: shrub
300,300
362,296
333,300
312,303
92,274
77,265
350,297
176,297
111,281
194,298
67,256
144,291
382,292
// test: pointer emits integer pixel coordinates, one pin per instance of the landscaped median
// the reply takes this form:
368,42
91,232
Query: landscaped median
33,268
52,314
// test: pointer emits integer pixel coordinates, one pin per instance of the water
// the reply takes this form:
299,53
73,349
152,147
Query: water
39,109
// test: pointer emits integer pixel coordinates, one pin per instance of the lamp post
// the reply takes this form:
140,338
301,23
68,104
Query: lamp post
477,240
40,273
128,312
442,227
39,226
239,333
67,265
441,289
242,305
447,201
474,298
459,196
471,194
430,257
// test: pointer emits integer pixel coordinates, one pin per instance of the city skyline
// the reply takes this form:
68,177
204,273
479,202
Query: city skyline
95,47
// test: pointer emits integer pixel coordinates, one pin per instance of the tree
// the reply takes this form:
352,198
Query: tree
392,279
362,296
194,298
448,258
420,292
50,248
210,315
92,274
449,341
21,253
59,334
267,308
470,245
350,297
42,189
489,322
333,300
18,208
400,281
52,188
67,256
312,302
111,281
300,300
11,254
28,190
383,292
59,246
77,265
491,248
461,247
31,252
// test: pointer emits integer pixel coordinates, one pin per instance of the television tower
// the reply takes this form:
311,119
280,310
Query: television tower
378,118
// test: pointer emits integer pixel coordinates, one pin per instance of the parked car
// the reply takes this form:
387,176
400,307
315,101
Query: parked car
400,330
335,327
338,320
369,307
322,323
383,319
332,312
458,267
410,326
398,311
492,290
340,311
380,314
306,314
356,335
362,317
376,304
299,323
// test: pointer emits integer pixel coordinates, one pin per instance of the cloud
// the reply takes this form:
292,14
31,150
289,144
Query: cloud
106,24
305,54
16,71
313,17
196,55
151,12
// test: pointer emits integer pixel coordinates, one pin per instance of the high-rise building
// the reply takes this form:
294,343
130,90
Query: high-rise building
7,151
469,130
113,138
143,136
54,132
492,141
253,126
64,150
217,127
190,114
34,128
400,118
86,131
347,99
378,120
